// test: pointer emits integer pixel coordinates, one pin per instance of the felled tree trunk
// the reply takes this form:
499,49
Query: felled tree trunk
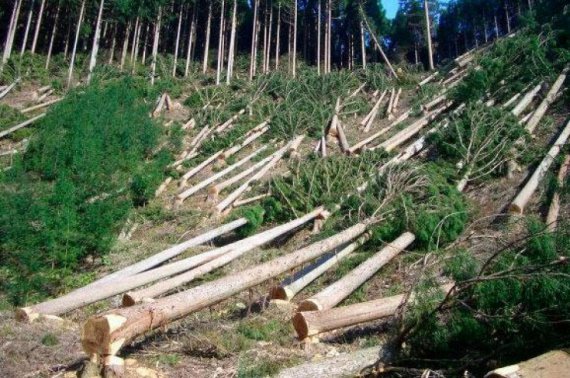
83,296
371,116
541,110
376,135
311,323
238,249
199,167
40,106
21,125
6,90
335,293
106,334
203,184
293,285
526,100
520,201
410,131
554,209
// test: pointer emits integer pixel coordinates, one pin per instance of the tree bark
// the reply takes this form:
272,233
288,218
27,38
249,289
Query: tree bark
95,49
554,209
106,334
253,57
27,30
319,37
311,323
278,37
362,45
376,135
238,250
38,25
337,292
95,291
11,33
155,45
268,59
294,284
207,40
369,119
74,51
520,201
113,45
136,32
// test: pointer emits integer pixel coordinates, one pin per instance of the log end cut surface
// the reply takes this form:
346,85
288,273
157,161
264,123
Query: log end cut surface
309,305
96,334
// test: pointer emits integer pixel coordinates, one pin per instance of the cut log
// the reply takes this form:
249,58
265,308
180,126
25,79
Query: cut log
373,113
21,125
191,173
337,292
341,366
189,125
520,201
256,177
40,106
163,186
415,147
293,285
342,138
554,209
541,110
215,190
204,183
355,92
526,100
6,90
159,105
428,79
376,135
44,96
83,296
323,146
238,250
332,129
436,101
369,119
410,131
227,124
250,139
391,104
397,100
312,323
107,333
247,201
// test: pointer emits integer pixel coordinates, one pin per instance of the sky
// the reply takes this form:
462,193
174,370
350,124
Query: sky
391,7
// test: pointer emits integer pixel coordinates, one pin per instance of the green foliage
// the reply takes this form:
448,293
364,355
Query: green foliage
9,117
515,307
67,198
265,330
254,216
49,339
319,182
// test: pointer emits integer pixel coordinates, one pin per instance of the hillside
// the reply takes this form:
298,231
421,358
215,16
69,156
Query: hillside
197,216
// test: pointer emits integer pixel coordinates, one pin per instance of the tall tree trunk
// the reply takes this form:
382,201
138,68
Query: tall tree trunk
231,55
496,27
362,45
220,45
74,51
38,25
190,37
294,64
378,46
113,44
319,37
428,35
125,45
507,19
269,39
147,30
485,31
264,51
135,35
155,45
253,57
177,44
329,36
10,33
53,33
136,45
207,41
27,30
95,49
278,37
